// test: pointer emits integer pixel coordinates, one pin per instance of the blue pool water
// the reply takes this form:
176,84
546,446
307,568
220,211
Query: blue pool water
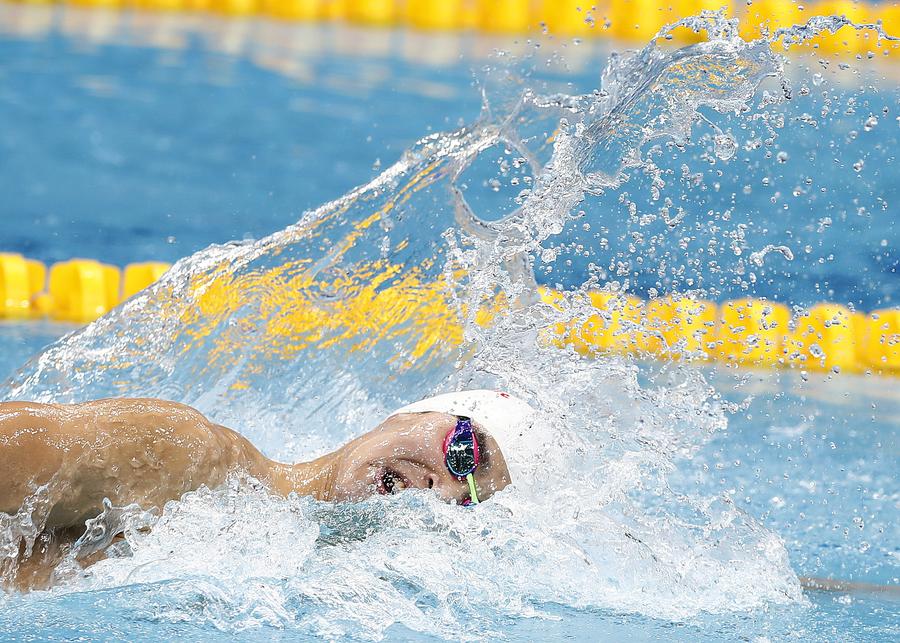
151,153
233,130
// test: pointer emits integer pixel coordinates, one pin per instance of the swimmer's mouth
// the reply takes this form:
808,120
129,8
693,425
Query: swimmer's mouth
389,481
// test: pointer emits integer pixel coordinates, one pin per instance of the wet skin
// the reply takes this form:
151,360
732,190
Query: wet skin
406,451
148,451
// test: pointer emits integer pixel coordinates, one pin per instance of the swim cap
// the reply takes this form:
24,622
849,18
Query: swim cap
509,420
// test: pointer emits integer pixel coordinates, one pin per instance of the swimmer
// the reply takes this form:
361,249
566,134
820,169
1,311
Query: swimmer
149,451
464,447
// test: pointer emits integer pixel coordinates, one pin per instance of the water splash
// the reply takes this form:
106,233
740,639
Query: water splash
757,258
20,531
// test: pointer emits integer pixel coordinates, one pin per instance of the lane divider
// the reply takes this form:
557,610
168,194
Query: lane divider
632,20
79,290
755,332
825,337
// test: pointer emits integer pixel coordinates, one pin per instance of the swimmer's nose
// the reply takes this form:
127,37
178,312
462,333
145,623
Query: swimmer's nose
439,486
449,489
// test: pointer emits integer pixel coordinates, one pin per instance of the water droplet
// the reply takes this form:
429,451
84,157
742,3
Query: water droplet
858,166
725,146
782,157
870,123
818,79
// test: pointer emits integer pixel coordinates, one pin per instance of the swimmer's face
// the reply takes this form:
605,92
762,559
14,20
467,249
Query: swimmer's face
406,451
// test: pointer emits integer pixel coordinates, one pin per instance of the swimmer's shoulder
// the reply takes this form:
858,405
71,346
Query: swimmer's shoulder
12,410
171,432
113,408
19,420
217,445
101,414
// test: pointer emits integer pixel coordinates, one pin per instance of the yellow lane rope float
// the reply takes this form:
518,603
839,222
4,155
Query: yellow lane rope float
825,337
757,332
631,20
79,290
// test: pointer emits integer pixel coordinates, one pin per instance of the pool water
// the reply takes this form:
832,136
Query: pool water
154,152
715,482
807,459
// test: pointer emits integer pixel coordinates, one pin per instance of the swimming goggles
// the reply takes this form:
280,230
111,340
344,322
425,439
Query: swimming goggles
461,454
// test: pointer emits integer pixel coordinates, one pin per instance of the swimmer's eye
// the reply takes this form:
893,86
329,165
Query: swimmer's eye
392,481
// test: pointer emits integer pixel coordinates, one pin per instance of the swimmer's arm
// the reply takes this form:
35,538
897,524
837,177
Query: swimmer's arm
142,451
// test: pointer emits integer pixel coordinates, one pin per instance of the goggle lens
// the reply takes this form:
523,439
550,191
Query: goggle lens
461,457
461,449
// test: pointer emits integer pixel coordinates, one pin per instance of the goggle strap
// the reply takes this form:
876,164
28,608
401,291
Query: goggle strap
472,494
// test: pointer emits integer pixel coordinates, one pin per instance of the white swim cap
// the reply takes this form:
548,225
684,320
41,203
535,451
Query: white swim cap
509,420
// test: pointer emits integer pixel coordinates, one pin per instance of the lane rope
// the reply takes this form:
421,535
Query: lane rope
748,331
629,20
